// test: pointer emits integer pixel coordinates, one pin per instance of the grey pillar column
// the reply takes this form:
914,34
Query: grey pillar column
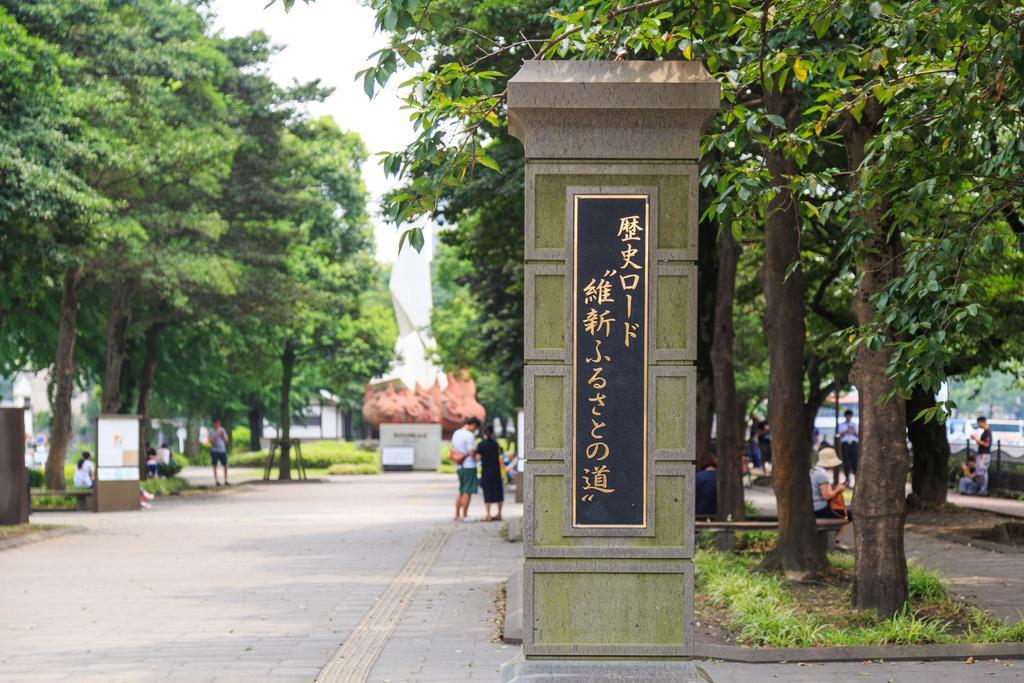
610,341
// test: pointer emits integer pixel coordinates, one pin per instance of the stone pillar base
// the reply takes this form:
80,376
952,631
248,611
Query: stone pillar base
520,670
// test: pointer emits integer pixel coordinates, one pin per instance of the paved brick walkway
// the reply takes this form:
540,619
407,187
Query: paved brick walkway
258,583
262,583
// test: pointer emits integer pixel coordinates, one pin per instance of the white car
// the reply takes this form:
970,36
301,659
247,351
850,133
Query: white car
1006,432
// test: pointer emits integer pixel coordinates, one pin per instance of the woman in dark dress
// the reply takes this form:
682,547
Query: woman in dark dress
489,453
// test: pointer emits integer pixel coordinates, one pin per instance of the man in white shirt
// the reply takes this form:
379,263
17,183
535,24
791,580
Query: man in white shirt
849,445
464,457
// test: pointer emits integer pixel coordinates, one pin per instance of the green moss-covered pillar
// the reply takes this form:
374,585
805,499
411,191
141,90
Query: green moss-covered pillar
609,345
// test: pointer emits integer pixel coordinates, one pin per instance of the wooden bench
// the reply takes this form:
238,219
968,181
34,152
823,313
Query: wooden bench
83,497
725,532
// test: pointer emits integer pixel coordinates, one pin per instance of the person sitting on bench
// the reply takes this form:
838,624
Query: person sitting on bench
828,499
84,472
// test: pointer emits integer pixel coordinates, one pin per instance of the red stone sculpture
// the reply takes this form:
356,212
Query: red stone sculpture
450,406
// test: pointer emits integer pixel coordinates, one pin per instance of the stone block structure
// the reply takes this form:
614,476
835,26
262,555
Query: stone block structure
611,201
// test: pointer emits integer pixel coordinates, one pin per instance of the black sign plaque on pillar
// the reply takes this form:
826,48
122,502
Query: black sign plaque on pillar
609,373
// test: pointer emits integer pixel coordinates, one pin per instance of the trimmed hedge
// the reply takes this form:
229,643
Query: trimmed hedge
316,454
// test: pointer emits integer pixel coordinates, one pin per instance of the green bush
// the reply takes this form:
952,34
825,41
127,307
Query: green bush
240,437
36,479
165,487
166,470
202,458
53,503
316,455
925,585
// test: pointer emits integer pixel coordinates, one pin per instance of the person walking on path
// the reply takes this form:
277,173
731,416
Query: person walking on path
491,482
219,451
984,441
849,449
464,457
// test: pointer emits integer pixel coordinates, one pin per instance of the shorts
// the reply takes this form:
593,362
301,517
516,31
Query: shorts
828,513
467,480
216,457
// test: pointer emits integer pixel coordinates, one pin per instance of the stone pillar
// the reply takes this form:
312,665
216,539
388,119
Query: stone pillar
14,497
610,341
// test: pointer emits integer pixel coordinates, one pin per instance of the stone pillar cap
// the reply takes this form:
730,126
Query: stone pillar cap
611,110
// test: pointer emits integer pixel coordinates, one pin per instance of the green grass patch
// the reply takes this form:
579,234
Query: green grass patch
54,503
311,472
18,530
763,610
165,487
354,468
316,455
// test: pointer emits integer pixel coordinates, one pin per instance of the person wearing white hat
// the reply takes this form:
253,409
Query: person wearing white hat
823,493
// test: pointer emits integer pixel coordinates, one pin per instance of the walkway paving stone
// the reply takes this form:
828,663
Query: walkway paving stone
264,582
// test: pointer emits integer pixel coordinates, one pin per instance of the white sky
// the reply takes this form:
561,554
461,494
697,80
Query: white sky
331,40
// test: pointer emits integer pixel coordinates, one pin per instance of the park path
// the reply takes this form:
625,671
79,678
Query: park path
261,582
267,583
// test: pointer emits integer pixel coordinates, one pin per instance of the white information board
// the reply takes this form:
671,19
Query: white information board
397,456
424,439
117,447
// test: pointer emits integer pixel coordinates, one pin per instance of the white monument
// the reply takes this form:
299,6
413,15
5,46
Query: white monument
412,297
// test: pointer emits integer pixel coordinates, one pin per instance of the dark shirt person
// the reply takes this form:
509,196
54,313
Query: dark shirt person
707,487
984,441
489,453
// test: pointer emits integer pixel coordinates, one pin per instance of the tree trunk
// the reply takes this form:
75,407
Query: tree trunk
706,276
880,570
63,380
798,551
192,437
255,417
930,451
285,417
117,345
729,429
148,370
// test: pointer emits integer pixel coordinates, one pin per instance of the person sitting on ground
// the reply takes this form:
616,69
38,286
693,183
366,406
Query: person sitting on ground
707,487
163,455
969,484
151,463
84,472
828,499
489,453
